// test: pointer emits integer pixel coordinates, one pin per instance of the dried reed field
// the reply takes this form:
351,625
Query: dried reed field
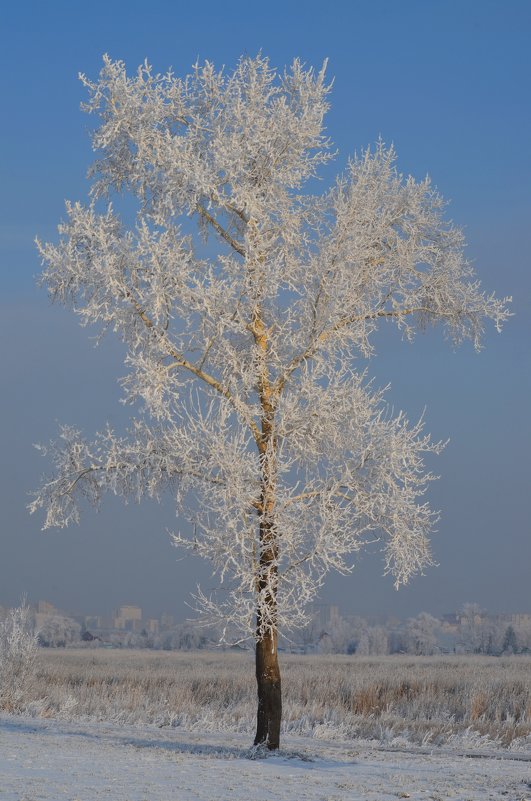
452,700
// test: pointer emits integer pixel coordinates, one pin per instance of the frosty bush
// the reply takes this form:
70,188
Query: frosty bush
58,631
18,649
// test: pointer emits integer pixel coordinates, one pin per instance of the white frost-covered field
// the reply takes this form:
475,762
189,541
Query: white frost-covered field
45,760
89,725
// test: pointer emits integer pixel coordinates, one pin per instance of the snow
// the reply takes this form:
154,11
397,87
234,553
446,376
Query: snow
51,760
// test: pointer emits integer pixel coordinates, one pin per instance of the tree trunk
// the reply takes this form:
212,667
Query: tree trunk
269,693
267,668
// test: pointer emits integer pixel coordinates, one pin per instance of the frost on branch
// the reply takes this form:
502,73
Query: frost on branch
246,304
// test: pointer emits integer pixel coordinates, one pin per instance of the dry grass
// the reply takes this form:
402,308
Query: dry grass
419,699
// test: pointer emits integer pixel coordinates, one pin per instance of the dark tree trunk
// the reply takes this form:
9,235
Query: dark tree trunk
267,667
269,693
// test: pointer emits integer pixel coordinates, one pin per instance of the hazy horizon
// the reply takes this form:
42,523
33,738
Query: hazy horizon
108,613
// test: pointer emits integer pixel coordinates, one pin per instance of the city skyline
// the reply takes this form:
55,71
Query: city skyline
328,630
129,612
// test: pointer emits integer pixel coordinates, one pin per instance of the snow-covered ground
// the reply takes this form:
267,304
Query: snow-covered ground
45,760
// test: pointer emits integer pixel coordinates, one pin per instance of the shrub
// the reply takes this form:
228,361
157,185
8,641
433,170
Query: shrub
18,649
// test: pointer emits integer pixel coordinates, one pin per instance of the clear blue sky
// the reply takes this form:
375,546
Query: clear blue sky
449,84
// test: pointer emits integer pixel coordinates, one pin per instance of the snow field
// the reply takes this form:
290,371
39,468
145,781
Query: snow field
61,761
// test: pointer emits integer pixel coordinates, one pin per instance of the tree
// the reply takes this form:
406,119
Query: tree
58,631
471,629
510,643
18,650
421,634
256,413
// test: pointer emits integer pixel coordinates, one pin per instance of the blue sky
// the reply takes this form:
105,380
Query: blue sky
449,84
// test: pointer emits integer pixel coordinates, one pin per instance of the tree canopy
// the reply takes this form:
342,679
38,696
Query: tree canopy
252,408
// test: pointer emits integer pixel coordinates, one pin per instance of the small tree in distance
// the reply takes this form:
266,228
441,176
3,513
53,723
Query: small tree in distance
18,650
254,412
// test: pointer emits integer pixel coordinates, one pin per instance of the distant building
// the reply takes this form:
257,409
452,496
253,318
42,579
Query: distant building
93,622
326,614
128,618
44,611
152,625
166,621
46,608
519,619
450,622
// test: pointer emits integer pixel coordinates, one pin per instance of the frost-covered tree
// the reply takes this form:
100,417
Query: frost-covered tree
471,629
510,641
18,650
421,635
58,631
245,351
